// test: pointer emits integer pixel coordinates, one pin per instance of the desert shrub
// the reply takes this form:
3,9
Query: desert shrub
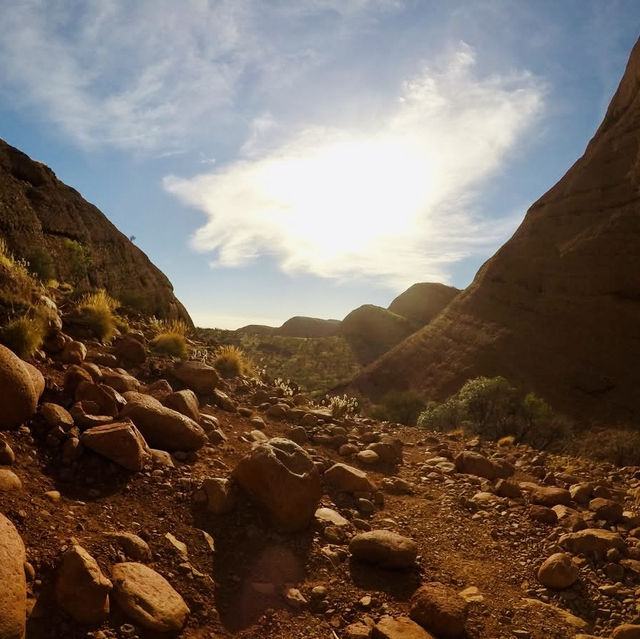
231,361
493,408
15,278
96,312
23,335
170,338
402,407
170,344
79,260
342,405
619,446
443,417
41,264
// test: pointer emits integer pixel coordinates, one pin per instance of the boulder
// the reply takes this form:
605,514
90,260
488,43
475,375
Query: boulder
281,477
626,631
347,479
197,376
591,541
121,442
558,572
9,480
132,545
550,496
185,402
56,416
81,589
129,351
472,463
73,377
19,395
606,509
37,379
384,548
13,585
74,352
108,400
165,428
219,495
439,609
399,628
147,598
120,380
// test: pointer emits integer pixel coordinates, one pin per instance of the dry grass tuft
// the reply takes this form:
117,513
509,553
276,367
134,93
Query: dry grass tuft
96,311
170,338
23,335
231,361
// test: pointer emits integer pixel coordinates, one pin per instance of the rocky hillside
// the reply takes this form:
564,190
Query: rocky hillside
557,309
63,236
271,518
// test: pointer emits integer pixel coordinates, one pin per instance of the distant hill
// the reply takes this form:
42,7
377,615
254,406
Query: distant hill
373,330
557,309
309,327
64,237
421,302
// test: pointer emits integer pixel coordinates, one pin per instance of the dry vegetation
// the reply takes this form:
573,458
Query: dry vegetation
231,361
97,312
170,338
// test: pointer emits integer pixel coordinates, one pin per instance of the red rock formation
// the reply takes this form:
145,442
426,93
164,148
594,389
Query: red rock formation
39,215
557,308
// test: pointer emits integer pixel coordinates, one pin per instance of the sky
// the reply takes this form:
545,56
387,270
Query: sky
303,157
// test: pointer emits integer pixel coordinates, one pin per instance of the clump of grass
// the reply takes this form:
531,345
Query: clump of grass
96,311
16,277
231,361
506,441
170,338
342,406
23,335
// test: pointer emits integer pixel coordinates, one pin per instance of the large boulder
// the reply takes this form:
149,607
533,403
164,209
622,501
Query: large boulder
121,442
81,588
148,598
347,479
472,463
439,609
385,549
592,541
19,395
282,478
164,428
13,585
197,376
558,571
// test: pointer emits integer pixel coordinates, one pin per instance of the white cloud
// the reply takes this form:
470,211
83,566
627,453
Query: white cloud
158,74
393,201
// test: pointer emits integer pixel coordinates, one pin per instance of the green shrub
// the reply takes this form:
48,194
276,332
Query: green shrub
493,408
41,264
23,335
79,260
231,361
403,407
96,312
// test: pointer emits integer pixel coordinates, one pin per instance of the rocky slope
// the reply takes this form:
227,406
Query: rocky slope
49,223
557,309
273,519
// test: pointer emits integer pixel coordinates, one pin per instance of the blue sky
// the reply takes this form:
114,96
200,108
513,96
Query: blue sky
304,157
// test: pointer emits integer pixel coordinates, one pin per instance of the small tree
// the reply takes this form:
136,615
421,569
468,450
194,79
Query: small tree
80,260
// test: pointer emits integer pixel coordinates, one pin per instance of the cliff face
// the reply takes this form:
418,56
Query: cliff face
49,223
557,308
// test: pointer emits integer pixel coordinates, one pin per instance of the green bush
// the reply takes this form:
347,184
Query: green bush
79,260
41,264
402,407
493,408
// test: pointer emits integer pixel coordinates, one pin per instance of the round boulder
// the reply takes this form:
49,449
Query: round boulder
558,572
19,395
